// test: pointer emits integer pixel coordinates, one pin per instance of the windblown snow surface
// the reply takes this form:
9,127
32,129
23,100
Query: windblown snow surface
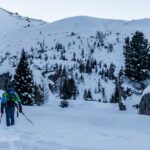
83,126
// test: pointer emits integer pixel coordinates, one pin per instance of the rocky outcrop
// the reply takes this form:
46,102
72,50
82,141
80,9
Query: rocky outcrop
144,106
4,80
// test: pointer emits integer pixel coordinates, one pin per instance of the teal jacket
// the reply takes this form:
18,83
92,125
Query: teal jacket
6,99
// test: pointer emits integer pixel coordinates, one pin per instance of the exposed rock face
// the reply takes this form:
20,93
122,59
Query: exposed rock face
144,106
4,80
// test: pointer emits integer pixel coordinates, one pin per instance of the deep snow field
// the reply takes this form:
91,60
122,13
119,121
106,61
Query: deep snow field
82,126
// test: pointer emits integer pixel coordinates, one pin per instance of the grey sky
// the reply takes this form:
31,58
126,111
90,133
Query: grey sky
51,10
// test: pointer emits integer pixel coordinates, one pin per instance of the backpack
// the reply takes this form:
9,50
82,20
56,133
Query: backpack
10,103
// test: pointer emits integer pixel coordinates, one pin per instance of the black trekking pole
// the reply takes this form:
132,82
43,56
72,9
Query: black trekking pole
17,111
1,118
28,119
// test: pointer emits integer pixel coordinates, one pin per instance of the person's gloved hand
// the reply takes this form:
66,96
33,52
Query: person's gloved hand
16,104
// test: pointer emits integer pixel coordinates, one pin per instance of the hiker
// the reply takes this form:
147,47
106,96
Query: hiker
9,101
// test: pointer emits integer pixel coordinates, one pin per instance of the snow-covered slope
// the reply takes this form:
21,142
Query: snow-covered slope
74,36
83,126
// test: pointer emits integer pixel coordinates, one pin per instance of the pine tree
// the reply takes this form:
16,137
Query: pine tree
128,53
85,95
65,91
111,71
81,68
68,89
88,67
100,37
23,81
73,88
74,56
136,57
104,95
82,53
99,86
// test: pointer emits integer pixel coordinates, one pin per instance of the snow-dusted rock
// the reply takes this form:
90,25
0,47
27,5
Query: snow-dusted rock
144,106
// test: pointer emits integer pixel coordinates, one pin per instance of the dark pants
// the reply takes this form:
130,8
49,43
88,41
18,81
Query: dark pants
10,120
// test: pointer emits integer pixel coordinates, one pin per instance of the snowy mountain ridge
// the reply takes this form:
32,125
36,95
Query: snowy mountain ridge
80,23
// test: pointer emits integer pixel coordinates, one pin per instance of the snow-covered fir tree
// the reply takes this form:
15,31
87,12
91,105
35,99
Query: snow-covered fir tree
23,80
136,52
68,89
